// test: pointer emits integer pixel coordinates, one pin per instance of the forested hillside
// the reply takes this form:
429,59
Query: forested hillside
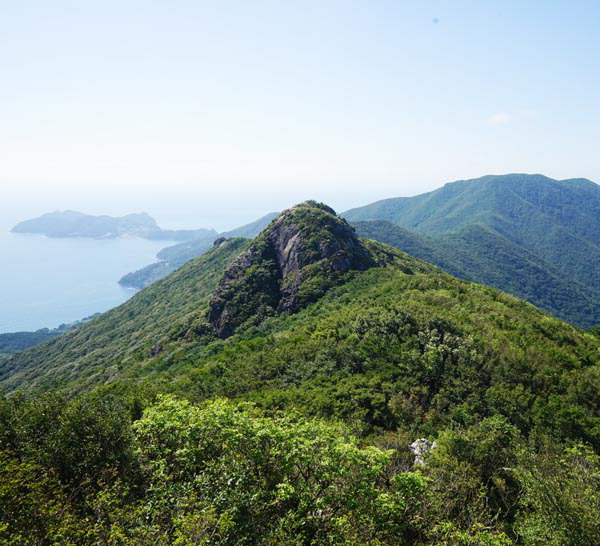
529,235
173,257
268,392
117,339
13,342
478,253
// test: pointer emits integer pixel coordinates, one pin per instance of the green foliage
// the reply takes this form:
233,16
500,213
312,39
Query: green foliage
76,439
34,507
56,457
528,235
277,478
295,430
561,499
227,472
173,257
471,480
220,473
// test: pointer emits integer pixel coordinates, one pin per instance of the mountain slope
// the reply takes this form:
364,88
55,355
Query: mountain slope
382,320
325,398
477,253
401,345
127,334
321,250
555,224
572,203
175,256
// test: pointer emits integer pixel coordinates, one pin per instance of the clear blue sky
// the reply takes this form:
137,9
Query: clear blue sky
185,106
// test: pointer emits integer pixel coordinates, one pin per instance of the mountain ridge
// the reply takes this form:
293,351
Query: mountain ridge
141,420
478,254
304,243
327,255
172,257
557,222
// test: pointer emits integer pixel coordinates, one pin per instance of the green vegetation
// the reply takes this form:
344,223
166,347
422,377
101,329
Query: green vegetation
118,340
529,235
477,253
296,428
173,257
17,341
220,473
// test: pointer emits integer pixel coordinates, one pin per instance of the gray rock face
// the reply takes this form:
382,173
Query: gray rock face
307,242
420,448
218,314
286,241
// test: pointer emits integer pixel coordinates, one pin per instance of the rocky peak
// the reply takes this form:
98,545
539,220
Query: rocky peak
303,252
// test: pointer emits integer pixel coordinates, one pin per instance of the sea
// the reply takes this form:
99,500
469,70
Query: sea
46,282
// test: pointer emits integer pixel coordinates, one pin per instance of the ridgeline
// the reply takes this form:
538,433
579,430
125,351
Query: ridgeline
267,392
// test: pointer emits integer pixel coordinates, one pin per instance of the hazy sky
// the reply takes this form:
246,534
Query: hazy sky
211,113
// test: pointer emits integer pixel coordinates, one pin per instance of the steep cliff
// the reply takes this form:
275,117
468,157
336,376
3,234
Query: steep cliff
303,252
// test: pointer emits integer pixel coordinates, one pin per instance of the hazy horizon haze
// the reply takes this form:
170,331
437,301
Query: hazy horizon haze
227,111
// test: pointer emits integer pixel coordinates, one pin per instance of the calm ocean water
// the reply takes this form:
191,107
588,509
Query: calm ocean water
45,282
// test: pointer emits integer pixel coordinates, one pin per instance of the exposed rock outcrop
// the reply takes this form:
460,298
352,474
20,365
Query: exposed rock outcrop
420,449
303,252
220,241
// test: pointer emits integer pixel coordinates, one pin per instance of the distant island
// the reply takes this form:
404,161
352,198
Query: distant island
71,223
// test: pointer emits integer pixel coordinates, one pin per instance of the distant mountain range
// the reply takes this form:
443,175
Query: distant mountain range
71,223
530,235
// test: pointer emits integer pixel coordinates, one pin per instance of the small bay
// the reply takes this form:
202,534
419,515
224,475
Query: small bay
45,282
